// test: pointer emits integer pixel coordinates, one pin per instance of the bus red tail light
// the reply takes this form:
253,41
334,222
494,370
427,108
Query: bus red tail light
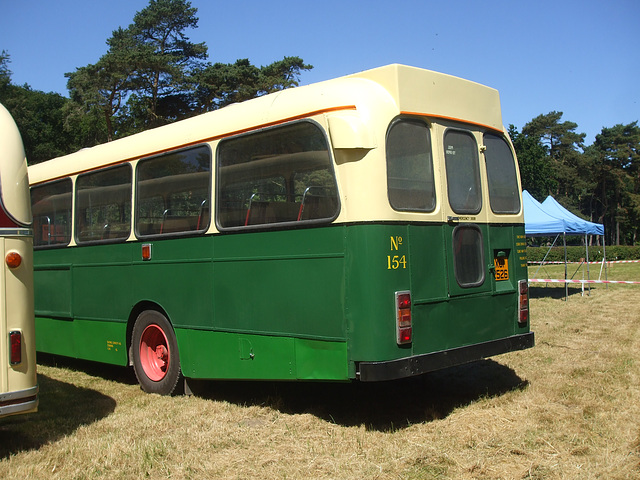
523,301
15,347
403,318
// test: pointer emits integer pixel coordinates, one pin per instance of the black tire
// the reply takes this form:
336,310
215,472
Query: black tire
154,349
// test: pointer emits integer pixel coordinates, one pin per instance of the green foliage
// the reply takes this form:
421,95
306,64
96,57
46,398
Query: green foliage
563,146
578,253
536,171
221,84
152,74
281,74
101,89
5,73
600,182
165,59
40,119
559,138
616,153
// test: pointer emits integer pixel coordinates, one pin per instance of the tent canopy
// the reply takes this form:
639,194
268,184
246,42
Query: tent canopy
551,218
574,223
537,221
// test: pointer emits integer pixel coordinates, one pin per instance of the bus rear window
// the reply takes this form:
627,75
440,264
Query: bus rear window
463,175
172,193
504,195
51,205
410,182
276,176
103,205
468,256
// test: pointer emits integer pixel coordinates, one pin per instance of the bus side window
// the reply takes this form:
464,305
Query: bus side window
51,204
103,205
274,176
172,193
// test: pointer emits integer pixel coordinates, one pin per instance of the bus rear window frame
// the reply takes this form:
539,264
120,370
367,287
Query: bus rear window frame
476,165
434,194
459,261
513,164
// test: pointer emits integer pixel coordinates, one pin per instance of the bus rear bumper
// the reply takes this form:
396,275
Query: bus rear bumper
23,401
429,362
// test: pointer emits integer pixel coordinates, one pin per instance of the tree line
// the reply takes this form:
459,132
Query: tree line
598,182
152,74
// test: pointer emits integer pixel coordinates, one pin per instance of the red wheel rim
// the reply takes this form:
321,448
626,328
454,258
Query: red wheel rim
154,353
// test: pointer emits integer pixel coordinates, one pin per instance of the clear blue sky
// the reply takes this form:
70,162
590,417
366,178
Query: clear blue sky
578,57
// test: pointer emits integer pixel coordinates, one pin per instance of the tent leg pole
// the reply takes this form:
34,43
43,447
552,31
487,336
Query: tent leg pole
566,285
588,276
604,258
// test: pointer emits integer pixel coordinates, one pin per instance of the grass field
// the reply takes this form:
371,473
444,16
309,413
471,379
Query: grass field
568,408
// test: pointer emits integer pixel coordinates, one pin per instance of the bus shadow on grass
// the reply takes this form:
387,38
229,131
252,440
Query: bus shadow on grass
63,408
114,373
384,406
556,292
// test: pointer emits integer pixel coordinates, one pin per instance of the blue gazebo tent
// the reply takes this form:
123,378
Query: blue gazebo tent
549,218
578,225
537,222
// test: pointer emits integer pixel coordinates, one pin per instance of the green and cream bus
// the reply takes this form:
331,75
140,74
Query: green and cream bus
18,380
368,227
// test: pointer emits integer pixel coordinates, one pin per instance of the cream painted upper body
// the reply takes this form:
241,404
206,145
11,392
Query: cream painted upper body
355,111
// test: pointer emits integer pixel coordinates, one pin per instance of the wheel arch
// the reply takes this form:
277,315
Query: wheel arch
140,307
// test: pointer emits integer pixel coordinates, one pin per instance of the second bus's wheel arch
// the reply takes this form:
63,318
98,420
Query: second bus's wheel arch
153,352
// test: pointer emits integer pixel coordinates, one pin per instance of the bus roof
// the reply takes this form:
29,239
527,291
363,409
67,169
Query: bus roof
435,94
14,183
398,88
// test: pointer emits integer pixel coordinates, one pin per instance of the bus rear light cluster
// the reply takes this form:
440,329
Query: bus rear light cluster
15,347
523,301
403,318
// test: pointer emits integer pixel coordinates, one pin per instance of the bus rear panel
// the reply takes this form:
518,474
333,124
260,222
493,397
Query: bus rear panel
18,382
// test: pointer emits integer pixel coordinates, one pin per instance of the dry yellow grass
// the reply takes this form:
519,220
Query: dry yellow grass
568,408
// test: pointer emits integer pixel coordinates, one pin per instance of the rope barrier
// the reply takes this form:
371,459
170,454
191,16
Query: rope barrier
540,280
592,263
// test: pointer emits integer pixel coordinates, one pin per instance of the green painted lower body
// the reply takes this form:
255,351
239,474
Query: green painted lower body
84,339
306,304
222,355
203,354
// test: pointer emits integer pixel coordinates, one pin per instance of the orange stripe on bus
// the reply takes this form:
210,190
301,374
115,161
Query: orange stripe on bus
205,140
454,119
